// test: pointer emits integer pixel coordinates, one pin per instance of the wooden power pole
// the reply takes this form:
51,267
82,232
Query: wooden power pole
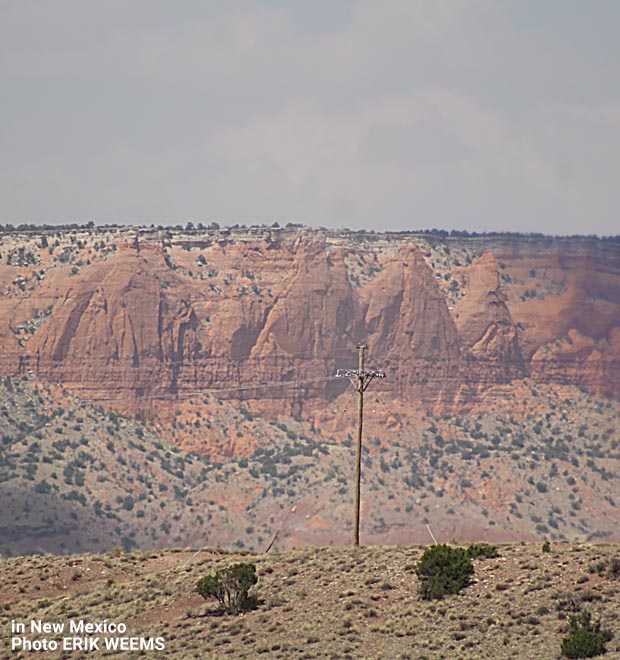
360,378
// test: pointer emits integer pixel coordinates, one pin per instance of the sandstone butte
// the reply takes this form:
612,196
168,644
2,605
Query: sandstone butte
153,318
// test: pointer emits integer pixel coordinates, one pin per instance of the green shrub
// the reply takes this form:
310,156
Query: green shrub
230,586
443,570
546,546
483,550
585,638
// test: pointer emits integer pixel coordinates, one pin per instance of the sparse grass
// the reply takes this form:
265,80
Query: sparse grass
343,614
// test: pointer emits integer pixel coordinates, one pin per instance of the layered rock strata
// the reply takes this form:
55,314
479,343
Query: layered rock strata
160,318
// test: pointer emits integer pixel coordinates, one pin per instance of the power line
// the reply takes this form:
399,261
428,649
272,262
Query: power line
217,390
301,355
197,360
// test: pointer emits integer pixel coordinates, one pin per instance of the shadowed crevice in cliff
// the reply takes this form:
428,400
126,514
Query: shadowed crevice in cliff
244,338
484,322
77,307
178,340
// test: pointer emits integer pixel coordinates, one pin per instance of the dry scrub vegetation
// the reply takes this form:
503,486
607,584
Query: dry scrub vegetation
324,602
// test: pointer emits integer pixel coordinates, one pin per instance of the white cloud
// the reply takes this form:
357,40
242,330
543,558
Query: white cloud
451,113
411,151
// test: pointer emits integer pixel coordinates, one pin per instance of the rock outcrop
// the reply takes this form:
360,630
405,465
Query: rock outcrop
485,324
268,317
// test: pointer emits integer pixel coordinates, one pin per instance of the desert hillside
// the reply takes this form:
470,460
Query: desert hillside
323,603
75,477
177,387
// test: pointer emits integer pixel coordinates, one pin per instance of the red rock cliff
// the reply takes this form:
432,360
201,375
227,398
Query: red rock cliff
235,314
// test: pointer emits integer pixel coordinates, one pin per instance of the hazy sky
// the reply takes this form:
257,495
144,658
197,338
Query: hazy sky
385,114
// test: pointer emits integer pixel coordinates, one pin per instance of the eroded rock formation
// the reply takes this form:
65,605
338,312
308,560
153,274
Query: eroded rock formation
232,315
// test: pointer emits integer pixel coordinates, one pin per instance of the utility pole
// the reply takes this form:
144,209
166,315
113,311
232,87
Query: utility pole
360,378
